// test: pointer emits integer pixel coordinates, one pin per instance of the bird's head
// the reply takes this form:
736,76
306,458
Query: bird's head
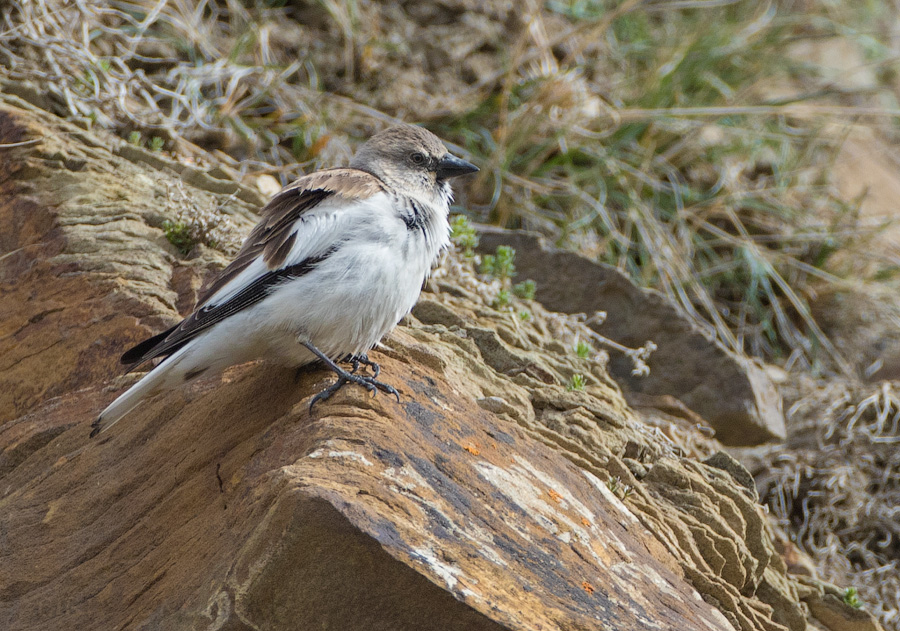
412,160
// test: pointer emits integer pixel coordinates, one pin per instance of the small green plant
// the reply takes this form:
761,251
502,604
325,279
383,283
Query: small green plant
851,598
134,138
576,383
525,290
179,235
583,350
500,265
463,235
502,299
156,143
622,491
525,315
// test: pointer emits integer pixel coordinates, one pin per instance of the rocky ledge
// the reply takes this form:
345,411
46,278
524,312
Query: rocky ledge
491,497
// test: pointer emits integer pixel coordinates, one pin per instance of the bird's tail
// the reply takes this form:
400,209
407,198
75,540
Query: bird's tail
152,383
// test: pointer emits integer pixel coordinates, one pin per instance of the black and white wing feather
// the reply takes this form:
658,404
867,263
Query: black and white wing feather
279,247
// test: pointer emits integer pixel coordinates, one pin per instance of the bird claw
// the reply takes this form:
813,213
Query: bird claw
369,383
384,387
356,360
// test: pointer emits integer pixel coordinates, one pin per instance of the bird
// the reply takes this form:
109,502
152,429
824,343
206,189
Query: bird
337,259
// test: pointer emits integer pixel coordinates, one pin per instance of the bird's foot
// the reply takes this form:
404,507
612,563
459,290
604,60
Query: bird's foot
369,383
344,377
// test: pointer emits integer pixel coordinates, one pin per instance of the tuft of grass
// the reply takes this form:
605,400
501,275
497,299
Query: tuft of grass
463,235
525,315
851,598
583,350
620,490
500,265
577,382
502,299
179,234
213,79
525,290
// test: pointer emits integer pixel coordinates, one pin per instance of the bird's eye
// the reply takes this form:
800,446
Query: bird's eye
417,158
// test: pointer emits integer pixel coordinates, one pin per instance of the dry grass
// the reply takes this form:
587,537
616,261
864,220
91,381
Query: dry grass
192,73
835,488
648,140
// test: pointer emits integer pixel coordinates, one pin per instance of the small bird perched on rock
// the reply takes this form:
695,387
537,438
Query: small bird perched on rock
337,260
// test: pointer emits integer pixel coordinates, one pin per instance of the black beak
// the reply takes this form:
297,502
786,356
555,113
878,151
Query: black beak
451,166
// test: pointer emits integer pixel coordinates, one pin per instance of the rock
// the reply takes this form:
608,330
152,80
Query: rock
731,392
862,323
267,185
490,497
86,269
864,170
724,461
365,516
829,608
796,560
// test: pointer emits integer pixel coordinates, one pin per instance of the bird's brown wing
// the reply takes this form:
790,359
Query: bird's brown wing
272,239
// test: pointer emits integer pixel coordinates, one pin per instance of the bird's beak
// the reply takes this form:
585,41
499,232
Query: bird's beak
451,166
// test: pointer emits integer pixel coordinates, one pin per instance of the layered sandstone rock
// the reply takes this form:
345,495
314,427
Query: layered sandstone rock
490,497
732,392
